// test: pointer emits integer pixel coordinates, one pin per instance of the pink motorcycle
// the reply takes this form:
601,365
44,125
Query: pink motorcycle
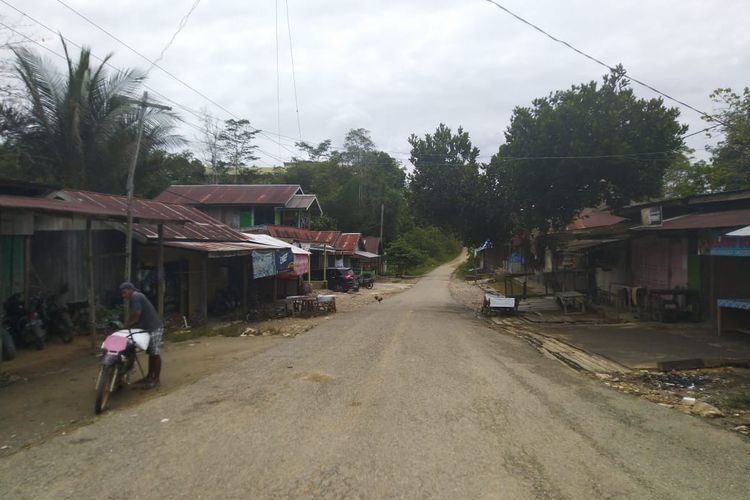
118,359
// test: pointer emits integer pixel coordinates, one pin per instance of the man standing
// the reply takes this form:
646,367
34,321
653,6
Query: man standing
143,315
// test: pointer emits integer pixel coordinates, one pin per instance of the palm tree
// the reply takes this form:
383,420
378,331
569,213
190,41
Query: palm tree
81,124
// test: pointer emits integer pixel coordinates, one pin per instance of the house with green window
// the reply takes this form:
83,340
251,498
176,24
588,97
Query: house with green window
243,206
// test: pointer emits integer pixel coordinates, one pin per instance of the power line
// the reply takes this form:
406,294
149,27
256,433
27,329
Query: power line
68,40
180,26
598,61
294,76
702,130
278,80
168,73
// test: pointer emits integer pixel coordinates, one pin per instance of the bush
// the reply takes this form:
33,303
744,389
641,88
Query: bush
421,249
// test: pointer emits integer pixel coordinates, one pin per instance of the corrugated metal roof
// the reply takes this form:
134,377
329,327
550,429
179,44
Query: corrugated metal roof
55,206
590,218
745,231
230,194
708,220
271,242
301,201
189,224
372,244
366,255
576,245
348,242
215,249
142,209
302,235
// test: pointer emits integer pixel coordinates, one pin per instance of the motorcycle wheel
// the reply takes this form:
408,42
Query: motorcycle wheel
369,285
9,347
39,335
67,329
104,387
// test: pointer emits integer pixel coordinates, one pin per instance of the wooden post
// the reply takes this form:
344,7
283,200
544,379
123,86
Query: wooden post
26,270
718,320
160,271
204,287
712,285
325,264
90,275
245,272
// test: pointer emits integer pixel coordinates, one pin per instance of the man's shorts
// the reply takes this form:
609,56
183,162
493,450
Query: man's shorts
154,345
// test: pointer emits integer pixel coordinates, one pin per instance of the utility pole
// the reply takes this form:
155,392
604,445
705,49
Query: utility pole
130,184
380,257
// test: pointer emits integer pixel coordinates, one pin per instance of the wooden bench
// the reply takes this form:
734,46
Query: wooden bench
576,300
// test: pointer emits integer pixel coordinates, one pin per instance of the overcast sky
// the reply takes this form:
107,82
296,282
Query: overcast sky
401,67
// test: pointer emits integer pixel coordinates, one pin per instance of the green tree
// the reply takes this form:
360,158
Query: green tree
447,188
79,126
684,177
731,156
315,153
235,144
404,256
581,147
160,169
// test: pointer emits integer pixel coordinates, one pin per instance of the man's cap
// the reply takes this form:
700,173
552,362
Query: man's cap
126,286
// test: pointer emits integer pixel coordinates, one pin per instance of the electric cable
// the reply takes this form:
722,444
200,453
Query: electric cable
68,40
294,73
598,61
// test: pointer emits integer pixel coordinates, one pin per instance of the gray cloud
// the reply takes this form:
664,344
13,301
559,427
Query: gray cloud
397,67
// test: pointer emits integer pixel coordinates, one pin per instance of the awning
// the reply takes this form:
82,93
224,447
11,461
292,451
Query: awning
365,255
270,241
745,231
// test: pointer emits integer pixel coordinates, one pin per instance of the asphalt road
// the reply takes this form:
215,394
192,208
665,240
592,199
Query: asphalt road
412,398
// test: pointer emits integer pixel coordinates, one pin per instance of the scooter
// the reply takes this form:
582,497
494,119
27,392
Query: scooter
24,325
367,282
118,359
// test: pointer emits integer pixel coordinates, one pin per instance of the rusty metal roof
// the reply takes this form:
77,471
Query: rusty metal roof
590,218
348,242
181,222
304,202
708,220
56,206
301,235
215,250
230,194
372,244
142,209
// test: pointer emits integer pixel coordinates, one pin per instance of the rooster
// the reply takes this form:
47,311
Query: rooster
379,298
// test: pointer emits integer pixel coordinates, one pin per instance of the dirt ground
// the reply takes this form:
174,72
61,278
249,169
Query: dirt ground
721,394
50,392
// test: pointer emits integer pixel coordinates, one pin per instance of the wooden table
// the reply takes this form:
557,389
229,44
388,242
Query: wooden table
574,299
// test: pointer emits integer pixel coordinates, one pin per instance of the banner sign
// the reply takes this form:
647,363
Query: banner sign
725,246
264,264
284,260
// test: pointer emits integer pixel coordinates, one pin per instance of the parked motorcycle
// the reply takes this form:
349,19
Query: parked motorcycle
54,316
25,326
118,359
9,347
367,282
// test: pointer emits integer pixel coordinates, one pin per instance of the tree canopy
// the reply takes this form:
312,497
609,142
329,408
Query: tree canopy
584,146
77,128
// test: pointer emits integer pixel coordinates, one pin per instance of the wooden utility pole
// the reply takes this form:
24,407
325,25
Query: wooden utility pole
131,183
160,271
380,257
90,278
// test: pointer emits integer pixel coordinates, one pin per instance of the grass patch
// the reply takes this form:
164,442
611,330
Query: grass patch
739,400
463,270
233,329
